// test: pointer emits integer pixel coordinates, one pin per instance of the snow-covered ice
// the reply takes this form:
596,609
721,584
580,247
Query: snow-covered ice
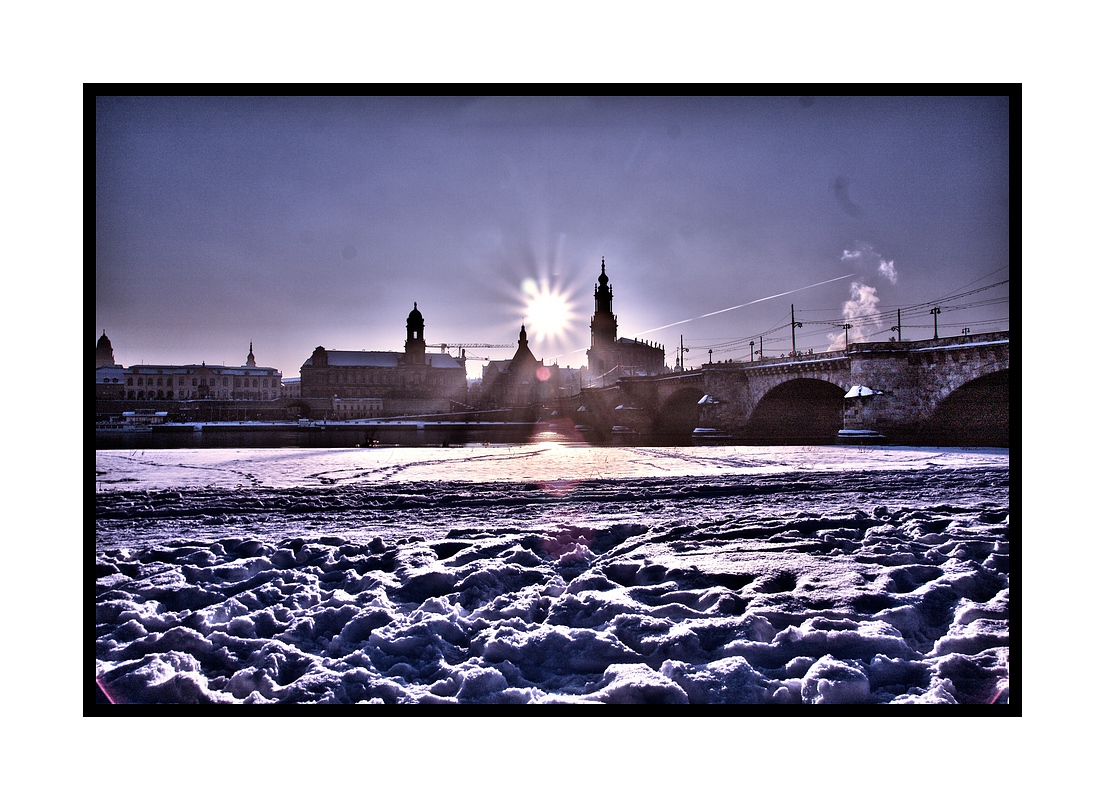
554,574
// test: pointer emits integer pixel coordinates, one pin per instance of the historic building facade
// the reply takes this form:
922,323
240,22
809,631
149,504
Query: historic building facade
357,383
184,382
610,358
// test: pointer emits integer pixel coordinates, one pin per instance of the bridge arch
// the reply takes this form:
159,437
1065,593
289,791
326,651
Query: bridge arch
967,375
299,408
678,415
974,414
797,411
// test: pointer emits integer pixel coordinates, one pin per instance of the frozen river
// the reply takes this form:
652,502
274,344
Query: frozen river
552,573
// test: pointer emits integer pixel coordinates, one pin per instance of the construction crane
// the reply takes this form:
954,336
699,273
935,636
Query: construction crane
445,346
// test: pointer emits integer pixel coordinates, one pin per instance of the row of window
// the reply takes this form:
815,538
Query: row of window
164,394
181,381
384,377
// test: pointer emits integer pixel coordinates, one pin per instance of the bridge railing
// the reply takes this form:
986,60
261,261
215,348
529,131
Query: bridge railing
996,337
786,358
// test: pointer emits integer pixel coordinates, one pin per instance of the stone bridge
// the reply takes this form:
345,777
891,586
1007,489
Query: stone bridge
949,391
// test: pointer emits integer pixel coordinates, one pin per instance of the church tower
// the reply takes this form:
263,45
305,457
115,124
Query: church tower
604,325
602,357
250,360
415,347
524,363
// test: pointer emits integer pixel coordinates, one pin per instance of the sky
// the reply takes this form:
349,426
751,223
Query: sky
294,222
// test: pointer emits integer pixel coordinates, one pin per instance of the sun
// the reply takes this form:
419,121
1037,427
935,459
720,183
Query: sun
549,311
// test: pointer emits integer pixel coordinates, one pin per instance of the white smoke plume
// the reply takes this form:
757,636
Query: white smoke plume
886,269
858,311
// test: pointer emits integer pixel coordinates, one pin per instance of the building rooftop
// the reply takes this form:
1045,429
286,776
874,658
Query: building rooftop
377,358
217,368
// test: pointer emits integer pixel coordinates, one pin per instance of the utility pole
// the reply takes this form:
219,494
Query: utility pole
793,325
898,327
761,350
935,313
682,350
846,328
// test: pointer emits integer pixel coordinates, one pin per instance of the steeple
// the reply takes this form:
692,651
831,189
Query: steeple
250,360
524,361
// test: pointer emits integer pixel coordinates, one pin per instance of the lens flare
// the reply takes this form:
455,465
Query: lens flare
549,311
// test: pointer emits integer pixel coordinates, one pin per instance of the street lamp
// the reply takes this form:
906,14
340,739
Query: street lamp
751,352
935,313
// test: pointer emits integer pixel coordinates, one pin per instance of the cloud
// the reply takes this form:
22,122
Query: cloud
840,189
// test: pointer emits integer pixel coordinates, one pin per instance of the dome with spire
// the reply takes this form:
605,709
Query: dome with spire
104,355
414,350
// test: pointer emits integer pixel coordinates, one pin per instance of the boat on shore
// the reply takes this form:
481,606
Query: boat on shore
621,434
710,436
848,436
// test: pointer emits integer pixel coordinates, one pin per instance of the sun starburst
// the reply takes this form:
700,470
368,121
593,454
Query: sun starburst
548,310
